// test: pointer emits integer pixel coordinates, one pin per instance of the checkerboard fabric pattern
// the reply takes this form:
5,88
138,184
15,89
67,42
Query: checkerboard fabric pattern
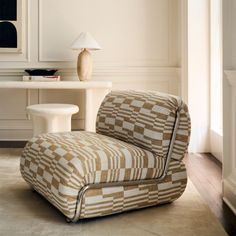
145,119
59,165
111,200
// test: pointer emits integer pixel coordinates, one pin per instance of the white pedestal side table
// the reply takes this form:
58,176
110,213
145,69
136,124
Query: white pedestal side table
51,118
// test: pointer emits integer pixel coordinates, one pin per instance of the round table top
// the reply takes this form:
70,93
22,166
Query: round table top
52,109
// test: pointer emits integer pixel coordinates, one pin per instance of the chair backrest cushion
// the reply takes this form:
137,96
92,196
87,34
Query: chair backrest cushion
145,119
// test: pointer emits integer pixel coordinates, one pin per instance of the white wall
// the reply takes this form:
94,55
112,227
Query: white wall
198,74
141,41
229,105
229,32
216,64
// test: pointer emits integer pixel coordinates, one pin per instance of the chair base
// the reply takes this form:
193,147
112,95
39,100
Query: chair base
97,202
45,166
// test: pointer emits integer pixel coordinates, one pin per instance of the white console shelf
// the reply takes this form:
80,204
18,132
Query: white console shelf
95,91
56,85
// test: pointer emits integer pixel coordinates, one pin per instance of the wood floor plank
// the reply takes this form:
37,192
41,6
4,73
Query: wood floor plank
206,174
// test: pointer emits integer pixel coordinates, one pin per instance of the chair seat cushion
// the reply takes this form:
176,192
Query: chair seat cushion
91,158
59,165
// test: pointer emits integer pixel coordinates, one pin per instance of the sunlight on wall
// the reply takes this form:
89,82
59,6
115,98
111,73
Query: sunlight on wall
216,66
216,114
198,74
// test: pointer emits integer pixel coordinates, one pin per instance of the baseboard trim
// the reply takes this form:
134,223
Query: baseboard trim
228,203
12,144
229,194
215,159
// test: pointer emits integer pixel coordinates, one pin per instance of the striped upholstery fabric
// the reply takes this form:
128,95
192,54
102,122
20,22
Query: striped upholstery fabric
59,165
145,119
106,201
183,134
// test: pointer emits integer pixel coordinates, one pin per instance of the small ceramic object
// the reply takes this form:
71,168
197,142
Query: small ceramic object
84,65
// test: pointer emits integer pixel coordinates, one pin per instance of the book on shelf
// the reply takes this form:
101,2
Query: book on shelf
41,78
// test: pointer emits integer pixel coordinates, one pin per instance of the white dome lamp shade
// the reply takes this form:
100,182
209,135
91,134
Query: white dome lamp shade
86,42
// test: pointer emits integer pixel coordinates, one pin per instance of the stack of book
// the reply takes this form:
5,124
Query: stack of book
41,78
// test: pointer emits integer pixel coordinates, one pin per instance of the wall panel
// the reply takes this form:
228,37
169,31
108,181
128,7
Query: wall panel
141,50
133,32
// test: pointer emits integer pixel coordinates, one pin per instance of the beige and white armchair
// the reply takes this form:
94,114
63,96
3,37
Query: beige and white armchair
134,159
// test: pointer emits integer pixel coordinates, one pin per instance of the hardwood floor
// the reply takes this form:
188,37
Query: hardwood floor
205,172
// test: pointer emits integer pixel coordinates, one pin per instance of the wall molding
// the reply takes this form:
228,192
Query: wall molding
168,78
166,60
108,71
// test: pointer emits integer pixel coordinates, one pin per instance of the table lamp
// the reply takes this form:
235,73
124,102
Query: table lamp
85,63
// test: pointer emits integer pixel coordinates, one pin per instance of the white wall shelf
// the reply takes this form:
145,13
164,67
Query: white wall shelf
56,85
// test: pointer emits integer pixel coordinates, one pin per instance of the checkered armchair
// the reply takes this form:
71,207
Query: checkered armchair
134,159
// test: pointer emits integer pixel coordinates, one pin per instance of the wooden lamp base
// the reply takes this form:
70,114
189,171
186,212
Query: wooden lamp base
84,65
